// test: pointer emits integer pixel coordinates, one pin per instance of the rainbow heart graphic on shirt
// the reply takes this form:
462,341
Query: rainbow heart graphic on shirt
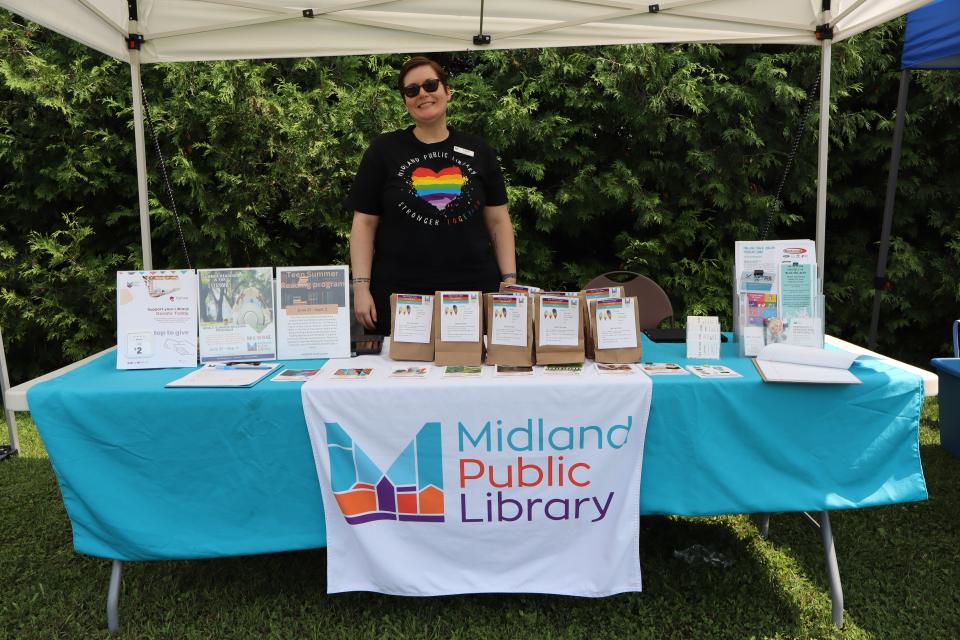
439,188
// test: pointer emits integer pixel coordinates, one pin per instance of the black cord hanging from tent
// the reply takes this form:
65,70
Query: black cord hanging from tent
166,178
777,202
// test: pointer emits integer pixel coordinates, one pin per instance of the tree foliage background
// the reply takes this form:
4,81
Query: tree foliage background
651,158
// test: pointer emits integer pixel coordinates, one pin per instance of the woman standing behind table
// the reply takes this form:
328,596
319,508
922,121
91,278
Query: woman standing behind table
430,207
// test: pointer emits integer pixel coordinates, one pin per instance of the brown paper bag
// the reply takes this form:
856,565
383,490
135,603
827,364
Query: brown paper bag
615,356
557,354
459,353
417,351
589,295
505,353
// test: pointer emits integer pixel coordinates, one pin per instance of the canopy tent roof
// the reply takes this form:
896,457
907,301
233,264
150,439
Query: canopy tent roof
932,39
181,30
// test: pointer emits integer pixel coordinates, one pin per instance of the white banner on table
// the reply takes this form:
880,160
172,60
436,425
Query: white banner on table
414,318
313,312
156,319
529,484
459,316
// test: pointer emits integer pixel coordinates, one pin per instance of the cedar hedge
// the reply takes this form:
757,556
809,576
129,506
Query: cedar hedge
652,158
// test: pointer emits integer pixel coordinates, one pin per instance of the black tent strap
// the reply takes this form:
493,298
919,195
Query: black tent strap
481,38
166,178
777,202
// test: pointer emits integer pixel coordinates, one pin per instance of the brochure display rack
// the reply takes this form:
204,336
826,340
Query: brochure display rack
777,295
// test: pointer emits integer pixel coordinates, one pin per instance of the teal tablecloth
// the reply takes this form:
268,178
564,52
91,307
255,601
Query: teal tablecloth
154,473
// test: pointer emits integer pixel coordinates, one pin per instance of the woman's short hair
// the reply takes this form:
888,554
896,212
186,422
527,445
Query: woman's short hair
419,61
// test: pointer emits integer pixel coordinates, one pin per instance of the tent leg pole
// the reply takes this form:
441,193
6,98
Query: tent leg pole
14,446
895,153
141,149
824,142
113,598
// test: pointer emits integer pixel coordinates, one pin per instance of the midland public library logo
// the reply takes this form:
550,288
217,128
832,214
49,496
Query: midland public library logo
506,473
411,489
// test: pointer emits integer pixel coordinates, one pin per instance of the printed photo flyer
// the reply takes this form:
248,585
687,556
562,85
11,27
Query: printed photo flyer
237,314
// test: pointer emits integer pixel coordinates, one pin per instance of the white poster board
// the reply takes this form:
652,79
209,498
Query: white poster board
313,312
156,319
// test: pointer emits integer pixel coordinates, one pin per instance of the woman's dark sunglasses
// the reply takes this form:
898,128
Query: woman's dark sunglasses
413,90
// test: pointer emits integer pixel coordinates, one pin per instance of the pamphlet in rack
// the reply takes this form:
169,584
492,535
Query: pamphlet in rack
757,310
787,271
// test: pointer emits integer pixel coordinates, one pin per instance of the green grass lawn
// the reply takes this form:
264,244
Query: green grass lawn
900,567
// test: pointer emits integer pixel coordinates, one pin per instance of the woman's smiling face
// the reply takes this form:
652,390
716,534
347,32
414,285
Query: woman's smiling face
425,107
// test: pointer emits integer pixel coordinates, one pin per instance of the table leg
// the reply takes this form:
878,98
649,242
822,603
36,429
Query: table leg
14,446
833,571
764,525
113,598
830,559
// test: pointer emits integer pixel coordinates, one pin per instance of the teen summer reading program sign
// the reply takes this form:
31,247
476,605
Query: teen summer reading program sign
531,487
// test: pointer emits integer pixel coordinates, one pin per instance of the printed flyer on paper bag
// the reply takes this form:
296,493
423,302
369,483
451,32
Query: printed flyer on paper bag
616,324
414,319
509,320
432,493
459,316
156,319
559,322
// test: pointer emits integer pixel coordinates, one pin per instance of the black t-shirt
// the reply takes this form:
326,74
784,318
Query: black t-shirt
430,199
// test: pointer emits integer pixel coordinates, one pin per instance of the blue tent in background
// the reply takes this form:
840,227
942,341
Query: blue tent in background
931,41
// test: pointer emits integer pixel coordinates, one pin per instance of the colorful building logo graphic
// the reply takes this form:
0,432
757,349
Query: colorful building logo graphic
410,490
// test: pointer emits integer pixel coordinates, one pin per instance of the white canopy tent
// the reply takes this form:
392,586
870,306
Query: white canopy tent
150,31
145,31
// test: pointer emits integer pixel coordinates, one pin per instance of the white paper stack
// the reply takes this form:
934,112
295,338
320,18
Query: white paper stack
703,337
791,363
